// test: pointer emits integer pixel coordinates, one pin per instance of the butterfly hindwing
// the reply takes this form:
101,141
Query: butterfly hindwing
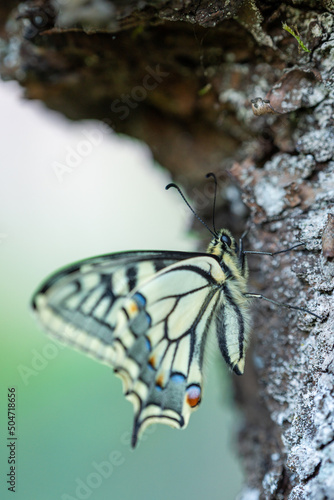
161,332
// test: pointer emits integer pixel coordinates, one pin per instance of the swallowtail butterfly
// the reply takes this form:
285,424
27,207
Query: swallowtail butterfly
148,315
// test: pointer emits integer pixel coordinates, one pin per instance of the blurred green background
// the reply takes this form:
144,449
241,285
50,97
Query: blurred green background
73,422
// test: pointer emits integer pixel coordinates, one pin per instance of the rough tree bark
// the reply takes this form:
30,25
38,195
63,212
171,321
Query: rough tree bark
180,75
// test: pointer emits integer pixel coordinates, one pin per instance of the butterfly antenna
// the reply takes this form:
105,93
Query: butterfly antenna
210,174
188,204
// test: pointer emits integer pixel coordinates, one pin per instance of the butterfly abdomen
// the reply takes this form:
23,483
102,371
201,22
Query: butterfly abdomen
233,327
232,311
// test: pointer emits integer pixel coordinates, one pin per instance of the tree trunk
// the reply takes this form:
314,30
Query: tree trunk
180,76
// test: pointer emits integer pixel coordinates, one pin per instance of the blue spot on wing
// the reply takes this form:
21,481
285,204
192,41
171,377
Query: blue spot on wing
148,344
140,300
149,320
194,390
178,378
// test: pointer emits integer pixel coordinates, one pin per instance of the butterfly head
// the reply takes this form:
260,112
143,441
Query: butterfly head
226,249
223,243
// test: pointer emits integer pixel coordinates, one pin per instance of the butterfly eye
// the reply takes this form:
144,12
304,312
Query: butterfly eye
226,239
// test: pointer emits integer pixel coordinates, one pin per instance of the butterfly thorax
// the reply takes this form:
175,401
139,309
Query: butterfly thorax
234,265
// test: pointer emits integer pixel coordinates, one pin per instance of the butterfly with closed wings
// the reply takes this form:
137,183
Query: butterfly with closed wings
148,315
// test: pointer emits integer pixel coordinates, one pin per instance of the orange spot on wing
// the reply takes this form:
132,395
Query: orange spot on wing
152,361
160,381
133,307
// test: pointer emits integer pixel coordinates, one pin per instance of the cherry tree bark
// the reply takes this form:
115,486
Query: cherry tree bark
180,75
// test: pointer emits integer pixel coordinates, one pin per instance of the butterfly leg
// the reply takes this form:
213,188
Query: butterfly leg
282,304
242,252
253,252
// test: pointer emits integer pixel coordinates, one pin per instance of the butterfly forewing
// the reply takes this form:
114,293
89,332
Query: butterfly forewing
78,304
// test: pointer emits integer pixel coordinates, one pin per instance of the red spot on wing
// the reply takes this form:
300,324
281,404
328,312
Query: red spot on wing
193,395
